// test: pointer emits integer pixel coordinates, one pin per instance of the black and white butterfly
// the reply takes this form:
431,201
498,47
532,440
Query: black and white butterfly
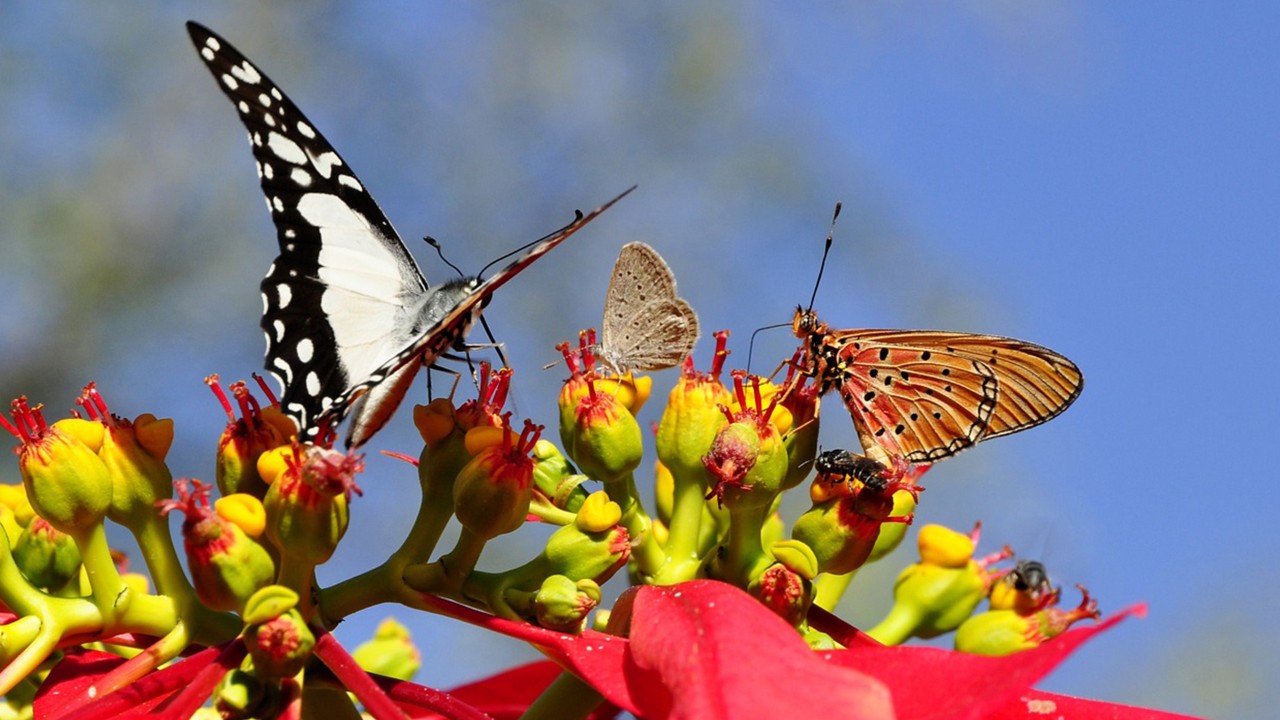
348,317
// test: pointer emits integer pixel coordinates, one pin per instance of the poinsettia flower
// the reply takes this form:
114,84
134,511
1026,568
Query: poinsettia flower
707,649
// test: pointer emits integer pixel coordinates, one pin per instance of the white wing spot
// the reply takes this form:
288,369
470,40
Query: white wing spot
290,233
212,43
350,182
243,107
293,273
270,121
326,403
268,201
305,350
247,73
287,150
325,162
264,100
313,384
286,372
230,82
275,92
275,203
256,139
278,326
288,247
266,305
208,54
300,176
259,169
306,130
268,171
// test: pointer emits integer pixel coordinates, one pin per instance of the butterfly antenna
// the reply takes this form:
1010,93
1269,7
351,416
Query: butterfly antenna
577,215
825,252
751,345
440,251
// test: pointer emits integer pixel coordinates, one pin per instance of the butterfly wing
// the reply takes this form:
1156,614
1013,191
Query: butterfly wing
338,300
926,395
449,312
646,326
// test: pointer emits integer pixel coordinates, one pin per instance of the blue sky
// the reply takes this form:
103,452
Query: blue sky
1101,178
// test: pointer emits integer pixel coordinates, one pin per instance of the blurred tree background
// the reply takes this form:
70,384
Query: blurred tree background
1050,171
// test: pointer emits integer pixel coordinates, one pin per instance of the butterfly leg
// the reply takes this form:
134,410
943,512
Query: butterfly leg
457,376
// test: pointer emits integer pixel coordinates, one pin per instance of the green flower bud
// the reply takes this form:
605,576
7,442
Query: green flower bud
604,439
9,525
66,481
133,452
1004,632
692,417
492,493
556,478
14,497
785,592
936,595
562,604
49,559
280,647
748,459
844,528
391,652
593,547
244,439
307,503
445,451
227,566
241,695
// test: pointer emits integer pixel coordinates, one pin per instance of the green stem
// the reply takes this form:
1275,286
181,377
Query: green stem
647,555
828,589
110,594
385,583
897,626
684,559
745,558
566,698
461,560
298,575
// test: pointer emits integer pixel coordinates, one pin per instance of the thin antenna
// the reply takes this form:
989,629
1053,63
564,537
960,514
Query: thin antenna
825,251
440,251
577,215
751,345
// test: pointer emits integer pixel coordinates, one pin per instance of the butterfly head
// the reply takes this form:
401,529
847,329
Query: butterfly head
806,323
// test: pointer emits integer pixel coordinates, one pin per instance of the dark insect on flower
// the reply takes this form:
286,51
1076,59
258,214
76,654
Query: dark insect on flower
844,465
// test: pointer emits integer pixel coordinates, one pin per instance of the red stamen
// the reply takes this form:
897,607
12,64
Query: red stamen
38,413
722,354
506,432
571,359
4,422
266,390
212,382
94,398
738,392
249,408
401,456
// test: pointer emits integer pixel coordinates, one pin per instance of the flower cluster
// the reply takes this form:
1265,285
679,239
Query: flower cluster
712,567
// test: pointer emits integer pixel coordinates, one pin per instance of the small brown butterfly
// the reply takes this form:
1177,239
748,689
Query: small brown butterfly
924,395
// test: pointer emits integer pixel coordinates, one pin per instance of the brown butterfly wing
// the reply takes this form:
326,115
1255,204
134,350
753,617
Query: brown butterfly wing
926,395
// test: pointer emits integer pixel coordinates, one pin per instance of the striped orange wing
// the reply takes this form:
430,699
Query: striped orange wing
925,395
